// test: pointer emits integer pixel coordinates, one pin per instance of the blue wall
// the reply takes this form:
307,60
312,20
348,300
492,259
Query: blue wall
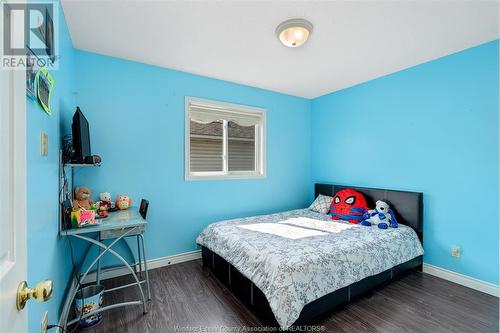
136,116
431,128
48,255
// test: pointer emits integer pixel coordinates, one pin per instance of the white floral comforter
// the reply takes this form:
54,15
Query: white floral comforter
298,256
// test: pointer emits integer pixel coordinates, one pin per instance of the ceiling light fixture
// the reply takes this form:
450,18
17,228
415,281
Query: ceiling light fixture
294,32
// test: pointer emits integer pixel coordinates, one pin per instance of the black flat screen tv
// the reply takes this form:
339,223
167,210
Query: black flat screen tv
81,138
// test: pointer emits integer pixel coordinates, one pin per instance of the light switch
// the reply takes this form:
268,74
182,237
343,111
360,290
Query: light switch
44,144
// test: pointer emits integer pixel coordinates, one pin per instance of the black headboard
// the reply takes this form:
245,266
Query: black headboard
407,206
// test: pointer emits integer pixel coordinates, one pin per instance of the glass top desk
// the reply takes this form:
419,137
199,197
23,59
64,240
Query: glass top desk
118,220
115,227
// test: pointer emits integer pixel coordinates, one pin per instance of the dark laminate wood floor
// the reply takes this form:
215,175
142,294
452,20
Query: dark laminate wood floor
186,295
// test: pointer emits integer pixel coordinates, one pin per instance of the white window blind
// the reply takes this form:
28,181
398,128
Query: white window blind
224,140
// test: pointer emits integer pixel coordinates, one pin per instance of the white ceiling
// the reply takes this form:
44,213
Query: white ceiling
352,42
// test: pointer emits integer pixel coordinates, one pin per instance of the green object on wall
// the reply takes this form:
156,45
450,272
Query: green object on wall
45,83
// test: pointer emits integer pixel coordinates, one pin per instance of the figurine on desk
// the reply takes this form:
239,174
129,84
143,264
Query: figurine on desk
123,202
83,198
105,203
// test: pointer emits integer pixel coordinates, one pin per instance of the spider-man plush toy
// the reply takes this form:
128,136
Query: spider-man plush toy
348,205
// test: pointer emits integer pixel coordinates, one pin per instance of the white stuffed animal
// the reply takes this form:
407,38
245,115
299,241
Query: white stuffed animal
382,216
105,201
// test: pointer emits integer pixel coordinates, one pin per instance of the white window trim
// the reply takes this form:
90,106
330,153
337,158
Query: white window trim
260,159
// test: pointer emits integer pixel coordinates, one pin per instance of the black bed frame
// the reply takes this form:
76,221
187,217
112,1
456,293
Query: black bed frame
408,208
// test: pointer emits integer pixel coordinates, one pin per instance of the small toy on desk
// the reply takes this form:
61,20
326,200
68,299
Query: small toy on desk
83,198
102,214
81,218
104,203
100,211
382,216
123,202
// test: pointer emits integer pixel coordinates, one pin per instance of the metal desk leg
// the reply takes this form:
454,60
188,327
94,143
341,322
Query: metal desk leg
98,272
118,256
134,261
145,266
139,256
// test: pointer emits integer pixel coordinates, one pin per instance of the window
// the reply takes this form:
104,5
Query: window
224,140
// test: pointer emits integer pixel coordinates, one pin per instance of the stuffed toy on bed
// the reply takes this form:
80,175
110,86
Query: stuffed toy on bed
382,216
348,205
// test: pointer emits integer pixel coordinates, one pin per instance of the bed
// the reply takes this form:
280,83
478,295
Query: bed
295,266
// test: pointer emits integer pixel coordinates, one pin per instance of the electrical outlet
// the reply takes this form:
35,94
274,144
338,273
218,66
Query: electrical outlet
44,144
45,322
455,251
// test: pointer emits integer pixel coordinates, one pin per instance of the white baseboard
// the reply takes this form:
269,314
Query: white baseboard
464,280
152,264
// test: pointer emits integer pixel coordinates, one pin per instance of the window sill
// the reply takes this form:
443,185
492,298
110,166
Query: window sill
193,177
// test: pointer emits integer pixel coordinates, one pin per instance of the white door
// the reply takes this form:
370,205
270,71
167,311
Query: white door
13,263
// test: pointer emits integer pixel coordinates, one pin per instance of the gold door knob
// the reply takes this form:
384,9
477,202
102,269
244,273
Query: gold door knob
42,292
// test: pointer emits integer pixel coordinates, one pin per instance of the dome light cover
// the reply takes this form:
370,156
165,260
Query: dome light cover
294,32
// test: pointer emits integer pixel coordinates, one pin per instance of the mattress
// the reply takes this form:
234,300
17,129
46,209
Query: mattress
298,256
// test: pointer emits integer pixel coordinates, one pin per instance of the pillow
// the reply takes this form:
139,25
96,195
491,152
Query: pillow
321,204
348,205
